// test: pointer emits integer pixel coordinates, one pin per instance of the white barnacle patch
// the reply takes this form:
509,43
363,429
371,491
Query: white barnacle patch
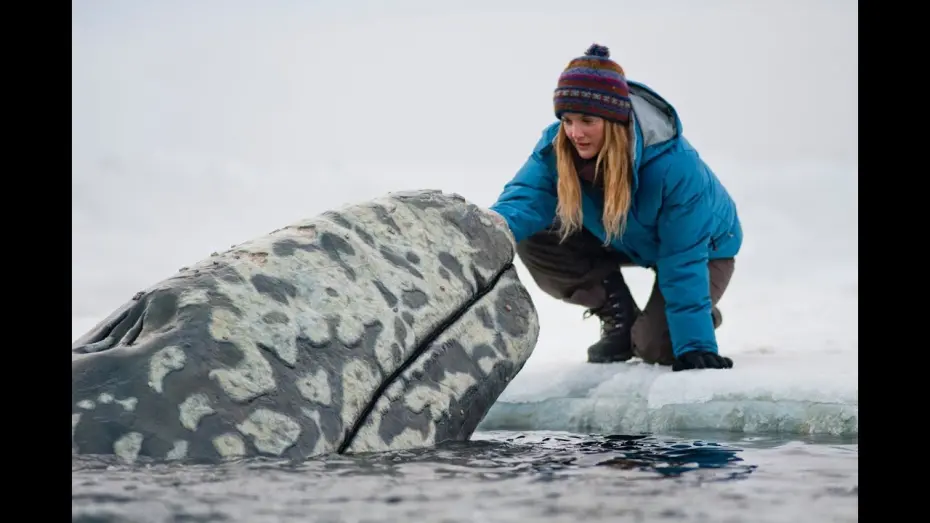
229,446
315,387
385,357
388,357
455,384
178,450
166,360
193,409
193,296
271,432
369,439
473,330
313,326
350,329
412,438
486,362
281,339
86,404
128,404
323,445
252,377
127,447
359,381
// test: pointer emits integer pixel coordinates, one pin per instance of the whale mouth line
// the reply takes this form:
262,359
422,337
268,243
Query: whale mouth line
418,351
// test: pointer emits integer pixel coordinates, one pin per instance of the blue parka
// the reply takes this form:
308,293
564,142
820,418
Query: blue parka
681,215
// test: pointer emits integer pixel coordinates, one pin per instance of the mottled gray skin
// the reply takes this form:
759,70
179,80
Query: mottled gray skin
391,324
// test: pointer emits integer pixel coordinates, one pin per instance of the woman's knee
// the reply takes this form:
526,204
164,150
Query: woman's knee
651,341
564,269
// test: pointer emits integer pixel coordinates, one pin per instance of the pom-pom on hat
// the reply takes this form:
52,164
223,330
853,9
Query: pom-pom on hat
594,84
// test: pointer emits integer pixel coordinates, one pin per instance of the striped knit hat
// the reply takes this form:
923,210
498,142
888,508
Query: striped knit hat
594,84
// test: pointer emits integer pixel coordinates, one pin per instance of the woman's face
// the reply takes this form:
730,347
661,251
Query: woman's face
585,132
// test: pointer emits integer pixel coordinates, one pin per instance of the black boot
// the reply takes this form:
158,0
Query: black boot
617,315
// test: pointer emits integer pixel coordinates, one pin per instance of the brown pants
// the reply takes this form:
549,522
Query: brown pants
573,271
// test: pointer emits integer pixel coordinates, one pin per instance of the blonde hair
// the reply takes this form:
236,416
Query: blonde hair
614,164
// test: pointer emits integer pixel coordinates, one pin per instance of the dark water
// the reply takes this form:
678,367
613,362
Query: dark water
497,477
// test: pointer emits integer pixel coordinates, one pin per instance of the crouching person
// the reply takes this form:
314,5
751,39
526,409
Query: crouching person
614,183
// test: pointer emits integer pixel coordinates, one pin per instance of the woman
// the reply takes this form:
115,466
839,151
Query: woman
614,183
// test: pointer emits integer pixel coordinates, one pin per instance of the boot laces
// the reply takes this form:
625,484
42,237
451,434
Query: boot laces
611,313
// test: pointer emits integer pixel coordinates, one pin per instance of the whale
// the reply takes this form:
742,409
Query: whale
392,323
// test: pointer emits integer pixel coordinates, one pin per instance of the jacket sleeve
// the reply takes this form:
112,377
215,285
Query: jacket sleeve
528,201
684,230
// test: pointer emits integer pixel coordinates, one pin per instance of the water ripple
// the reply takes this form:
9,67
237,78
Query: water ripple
496,477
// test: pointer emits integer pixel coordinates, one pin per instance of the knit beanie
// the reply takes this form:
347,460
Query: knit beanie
594,84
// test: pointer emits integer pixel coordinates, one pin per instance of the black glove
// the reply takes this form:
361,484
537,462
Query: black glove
700,359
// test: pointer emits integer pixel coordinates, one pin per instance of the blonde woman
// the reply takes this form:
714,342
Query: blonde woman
614,183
